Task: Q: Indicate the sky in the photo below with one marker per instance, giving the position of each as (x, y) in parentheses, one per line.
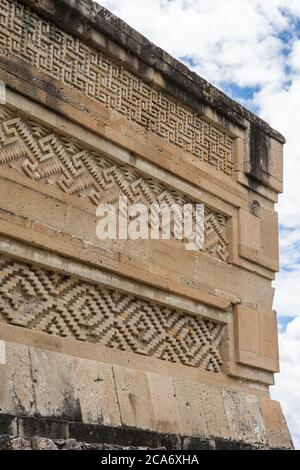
(251, 50)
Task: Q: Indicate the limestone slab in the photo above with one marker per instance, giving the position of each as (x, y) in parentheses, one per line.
(134, 398)
(165, 405)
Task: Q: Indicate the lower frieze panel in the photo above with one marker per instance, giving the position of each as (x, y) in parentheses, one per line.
(64, 305)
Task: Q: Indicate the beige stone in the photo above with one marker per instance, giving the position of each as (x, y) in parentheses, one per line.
(256, 338)
(55, 385)
(17, 396)
(165, 407)
(244, 417)
(134, 398)
(214, 408)
(277, 431)
(249, 226)
(201, 409)
(137, 334)
(95, 388)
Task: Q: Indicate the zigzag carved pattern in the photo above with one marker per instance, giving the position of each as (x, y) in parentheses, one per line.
(61, 56)
(62, 305)
(45, 156)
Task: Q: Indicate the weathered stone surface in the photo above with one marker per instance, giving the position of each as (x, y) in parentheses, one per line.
(41, 443)
(72, 444)
(134, 398)
(96, 392)
(244, 417)
(214, 408)
(16, 385)
(18, 443)
(190, 404)
(165, 407)
(55, 385)
(4, 442)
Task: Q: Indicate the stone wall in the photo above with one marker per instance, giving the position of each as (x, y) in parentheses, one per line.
(146, 343)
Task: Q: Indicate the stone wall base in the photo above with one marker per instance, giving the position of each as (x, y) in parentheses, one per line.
(49, 434)
(57, 396)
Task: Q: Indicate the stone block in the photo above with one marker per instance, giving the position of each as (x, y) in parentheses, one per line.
(268, 337)
(146, 352)
(247, 329)
(256, 338)
(55, 387)
(165, 404)
(192, 413)
(201, 409)
(134, 398)
(41, 443)
(95, 388)
(17, 395)
(277, 430)
(2, 353)
(214, 411)
(249, 232)
(244, 417)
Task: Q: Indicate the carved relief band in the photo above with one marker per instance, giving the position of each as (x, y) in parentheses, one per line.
(51, 158)
(67, 59)
(63, 305)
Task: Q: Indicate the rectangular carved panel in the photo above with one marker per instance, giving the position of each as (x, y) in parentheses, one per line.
(67, 59)
(63, 305)
(44, 155)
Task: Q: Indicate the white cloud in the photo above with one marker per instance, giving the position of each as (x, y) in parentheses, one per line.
(247, 43)
(287, 388)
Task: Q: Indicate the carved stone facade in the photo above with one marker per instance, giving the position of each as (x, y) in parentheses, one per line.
(136, 341)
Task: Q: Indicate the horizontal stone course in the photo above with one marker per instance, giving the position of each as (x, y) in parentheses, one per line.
(128, 407)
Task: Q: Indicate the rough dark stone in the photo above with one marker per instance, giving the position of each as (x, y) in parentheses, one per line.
(46, 434)
(123, 436)
(72, 444)
(19, 443)
(86, 446)
(35, 426)
(8, 425)
(196, 443)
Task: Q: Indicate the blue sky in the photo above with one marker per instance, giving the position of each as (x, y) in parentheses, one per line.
(250, 49)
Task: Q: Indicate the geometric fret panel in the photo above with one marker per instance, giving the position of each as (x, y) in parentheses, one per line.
(59, 304)
(51, 50)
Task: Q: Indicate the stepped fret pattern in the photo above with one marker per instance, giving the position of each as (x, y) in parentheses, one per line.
(40, 43)
(45, 156)
(62, 305)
